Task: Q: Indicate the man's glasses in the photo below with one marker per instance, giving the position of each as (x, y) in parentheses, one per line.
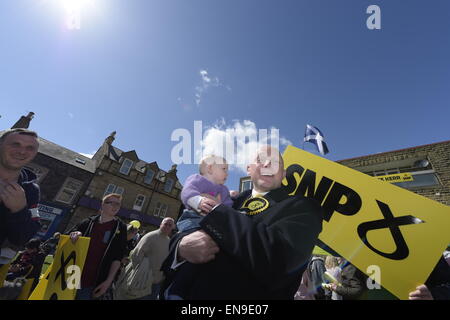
(113, 203)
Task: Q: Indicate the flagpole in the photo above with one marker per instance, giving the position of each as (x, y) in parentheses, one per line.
(303, 145)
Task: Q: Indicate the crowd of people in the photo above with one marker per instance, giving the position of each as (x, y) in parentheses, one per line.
(331, 278)
(254, 245)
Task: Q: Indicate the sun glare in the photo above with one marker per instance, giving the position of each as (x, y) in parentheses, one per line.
(75, 4)
(73, 10)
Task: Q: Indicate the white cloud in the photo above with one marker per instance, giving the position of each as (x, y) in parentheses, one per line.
(237, 142)
(207, 82)
(285, 142)
(88, 155)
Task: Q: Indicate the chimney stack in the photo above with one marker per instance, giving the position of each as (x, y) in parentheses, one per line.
(24, 122)
(111, 138)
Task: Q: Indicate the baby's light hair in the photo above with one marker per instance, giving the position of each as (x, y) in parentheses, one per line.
(208, 160)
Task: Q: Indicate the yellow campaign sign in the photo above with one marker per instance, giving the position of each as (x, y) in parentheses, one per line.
(39, 292)
(372, 223)
(3, 272)
(62, 277)
(398, 177)
(25, 293)
(319, 251)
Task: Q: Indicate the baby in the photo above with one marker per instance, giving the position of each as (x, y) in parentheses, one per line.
(199, 188)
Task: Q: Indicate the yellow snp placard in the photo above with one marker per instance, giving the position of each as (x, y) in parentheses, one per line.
(3, 272)
(63, 276)
(398, 177)
(370, 222)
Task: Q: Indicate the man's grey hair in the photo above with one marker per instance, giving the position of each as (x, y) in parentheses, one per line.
(19, 131)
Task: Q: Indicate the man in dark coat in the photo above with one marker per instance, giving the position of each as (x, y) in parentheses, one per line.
(106, 248)
(19, 194)
(256, 250)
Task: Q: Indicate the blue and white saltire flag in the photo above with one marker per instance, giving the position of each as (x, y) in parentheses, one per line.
(314, 135)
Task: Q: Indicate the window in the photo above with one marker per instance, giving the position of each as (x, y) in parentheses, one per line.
(69, 190)
(246, 185)
(139, 203)
(385, 172)
(126, 166)
(149, 176)
(80, 161)
(420, 179)
(160, 210)
(112, 188)
(168, 185)
(119, 190)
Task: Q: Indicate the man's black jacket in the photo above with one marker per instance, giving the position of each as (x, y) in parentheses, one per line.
(116, 244)
(19, 227)
(262, 256)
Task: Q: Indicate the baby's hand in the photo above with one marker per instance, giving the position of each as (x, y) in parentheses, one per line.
(207, 203)
(217, 199)
(234, 193)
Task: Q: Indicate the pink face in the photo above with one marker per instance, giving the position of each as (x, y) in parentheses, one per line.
(218, 173)
(17, 150)
(167, 226)
(111, 206)
(267, 170)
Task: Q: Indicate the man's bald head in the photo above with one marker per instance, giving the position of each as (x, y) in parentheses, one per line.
(266, 169)
(167, 225)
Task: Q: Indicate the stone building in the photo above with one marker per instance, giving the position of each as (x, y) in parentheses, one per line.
(72, 185)
(429, 166)
(63, 176)
(149, 193)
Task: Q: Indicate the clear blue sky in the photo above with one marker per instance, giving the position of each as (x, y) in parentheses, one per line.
(135, 67)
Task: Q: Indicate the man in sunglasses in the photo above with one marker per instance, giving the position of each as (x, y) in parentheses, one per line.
(106, 249)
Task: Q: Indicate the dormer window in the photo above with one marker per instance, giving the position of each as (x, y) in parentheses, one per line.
(168, 185)
(126, 166)
(149, 175)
